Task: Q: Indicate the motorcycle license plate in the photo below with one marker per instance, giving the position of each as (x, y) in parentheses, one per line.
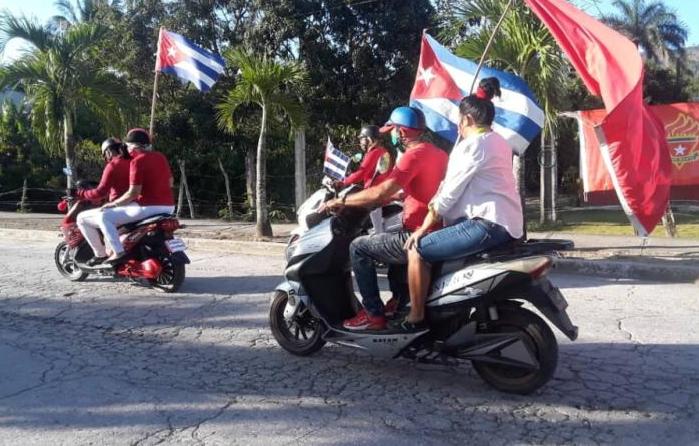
(175, 245)
(557, 298)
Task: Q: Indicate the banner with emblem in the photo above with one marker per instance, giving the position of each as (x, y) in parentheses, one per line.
(681, 123)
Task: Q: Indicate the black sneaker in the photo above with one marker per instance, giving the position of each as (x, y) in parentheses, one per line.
(404, 325)
(95, 261)
(116, 260)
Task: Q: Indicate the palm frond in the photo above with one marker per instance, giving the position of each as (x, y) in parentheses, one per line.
(21, 27)
(225, 110)
(66, 7)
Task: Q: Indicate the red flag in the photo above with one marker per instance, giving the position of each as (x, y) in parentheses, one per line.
(632, 139)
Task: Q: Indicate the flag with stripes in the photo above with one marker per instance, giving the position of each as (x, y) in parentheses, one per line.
(178, 56)
(336, 162)
(443, 79)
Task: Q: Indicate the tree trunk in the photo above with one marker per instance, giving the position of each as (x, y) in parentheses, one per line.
(547, 161)
(263, 228)
(554, 178)
(229, 201)
(518, 171)
(69, 147)
(543, 179)
(300, 166)
(250, 178)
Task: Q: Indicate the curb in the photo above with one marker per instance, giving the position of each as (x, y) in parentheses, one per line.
(628, 270)
(200, 244)
(602, 268)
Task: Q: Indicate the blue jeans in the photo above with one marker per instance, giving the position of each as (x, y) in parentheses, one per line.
(462, 239)
(385, 248)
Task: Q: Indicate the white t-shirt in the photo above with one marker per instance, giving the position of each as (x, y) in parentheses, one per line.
(479, 183)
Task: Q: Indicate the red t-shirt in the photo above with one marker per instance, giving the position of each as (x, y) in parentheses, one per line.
(419, 172)
(152, 172)
(366, 171)
(113, 184)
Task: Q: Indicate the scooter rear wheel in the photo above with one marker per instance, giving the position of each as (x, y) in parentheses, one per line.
(300, 336)
(540, 340)
(170, 278)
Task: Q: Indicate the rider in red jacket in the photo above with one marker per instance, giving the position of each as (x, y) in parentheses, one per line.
(115, 176)
(113, 184)
(374, 155)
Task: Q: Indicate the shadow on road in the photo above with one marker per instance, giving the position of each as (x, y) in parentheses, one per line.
(109, 375)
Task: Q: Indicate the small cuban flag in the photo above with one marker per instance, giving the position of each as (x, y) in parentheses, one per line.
(336, 162)
(178, 56)
(443, 79)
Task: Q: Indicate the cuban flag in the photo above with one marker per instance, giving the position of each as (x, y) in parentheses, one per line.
(184, 59)
(336, 162)
(443, 79)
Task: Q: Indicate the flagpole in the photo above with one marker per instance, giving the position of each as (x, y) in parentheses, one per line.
(155, 88)
(490, 42)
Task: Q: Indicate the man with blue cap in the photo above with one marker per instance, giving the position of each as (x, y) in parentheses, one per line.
(418, 173)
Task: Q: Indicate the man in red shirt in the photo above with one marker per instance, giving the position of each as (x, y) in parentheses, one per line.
(114, 182)
(149, 193)
(418, 173)
(374, 156)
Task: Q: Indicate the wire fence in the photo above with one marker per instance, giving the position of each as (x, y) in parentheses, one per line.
(214, 203)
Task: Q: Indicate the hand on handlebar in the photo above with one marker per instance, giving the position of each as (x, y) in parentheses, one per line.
(332, 206)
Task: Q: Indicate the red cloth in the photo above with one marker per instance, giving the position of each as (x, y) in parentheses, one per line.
(611, 67)
(365, 173)
(419, 172)
(113, 184)
(151, 171)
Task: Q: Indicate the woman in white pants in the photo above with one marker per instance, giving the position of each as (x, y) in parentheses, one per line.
(149, 193)
(113, 184)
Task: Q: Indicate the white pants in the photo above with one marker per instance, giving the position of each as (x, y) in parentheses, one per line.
(107, 220)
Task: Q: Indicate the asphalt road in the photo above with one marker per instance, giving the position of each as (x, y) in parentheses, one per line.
(100, 362)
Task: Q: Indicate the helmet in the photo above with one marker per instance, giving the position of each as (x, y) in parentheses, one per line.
(138, 136)
(111, 144)
(369, 131)
(405, 117)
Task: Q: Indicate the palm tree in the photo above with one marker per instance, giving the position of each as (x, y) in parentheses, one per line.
(271, 85)
(523, 46)
(60, 75)
(655, 28)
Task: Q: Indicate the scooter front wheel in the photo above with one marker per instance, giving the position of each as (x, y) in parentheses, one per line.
(66, 264)
(301, 335)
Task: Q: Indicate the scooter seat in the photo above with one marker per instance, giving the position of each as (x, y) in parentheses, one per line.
(145, 221)
(507, 251)
(449, 266)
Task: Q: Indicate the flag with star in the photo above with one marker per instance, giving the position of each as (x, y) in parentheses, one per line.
(192, 63)
(443, 79)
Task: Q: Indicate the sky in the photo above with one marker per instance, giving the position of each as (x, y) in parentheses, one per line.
(687, 10)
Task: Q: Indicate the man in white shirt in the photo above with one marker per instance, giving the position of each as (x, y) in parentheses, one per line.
(477, 202)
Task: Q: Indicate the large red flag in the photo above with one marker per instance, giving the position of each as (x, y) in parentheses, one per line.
(632, 139)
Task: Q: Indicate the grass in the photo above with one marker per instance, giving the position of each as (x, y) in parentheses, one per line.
(609, 222)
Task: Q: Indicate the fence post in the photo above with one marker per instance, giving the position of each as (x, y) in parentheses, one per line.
(23, 201)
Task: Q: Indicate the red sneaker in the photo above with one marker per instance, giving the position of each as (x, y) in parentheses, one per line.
(365, 321)
(390, 307)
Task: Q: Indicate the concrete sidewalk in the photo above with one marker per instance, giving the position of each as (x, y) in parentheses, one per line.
(662, 259)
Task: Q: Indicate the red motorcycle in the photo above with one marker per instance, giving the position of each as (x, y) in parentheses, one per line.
(154, 255)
